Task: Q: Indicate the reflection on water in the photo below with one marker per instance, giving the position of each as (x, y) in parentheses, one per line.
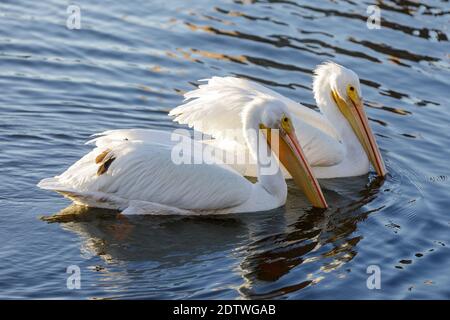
(270, 244)
(131, 63)
(168, 240)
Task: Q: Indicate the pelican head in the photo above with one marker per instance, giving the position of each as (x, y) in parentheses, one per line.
(335, 84)
(275, 123)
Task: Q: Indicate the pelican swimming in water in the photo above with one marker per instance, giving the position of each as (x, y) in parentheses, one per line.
(338, 141)
(134, 171)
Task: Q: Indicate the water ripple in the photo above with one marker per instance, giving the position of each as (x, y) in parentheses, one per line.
(131, 63)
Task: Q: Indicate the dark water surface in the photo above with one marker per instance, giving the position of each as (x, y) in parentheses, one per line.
(130, 64)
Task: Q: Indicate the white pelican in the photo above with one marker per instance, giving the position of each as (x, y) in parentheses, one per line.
(338, 141)
(133, 171)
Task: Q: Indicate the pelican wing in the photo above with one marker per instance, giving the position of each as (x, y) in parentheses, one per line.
(137, 165)
(215, 107)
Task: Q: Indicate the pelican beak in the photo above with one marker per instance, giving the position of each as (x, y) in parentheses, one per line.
(353, 111)
(291, 155)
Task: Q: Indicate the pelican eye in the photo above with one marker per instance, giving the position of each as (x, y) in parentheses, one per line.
(352, 93)
(286, 124)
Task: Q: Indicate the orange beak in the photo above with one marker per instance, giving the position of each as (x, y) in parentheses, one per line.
(353, 111)
(291, 155)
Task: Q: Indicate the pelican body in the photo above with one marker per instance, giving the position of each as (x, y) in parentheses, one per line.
(337, 141)
(133, 171)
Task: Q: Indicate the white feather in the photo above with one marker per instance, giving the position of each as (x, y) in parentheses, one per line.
(144, 179)
(216, 107)
(329, 142)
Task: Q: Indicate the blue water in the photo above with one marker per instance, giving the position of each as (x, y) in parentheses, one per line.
(130, 63)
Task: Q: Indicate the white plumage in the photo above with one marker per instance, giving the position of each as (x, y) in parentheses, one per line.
(143, 178)
(329, 142)
(134, 171)
(215, 109)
